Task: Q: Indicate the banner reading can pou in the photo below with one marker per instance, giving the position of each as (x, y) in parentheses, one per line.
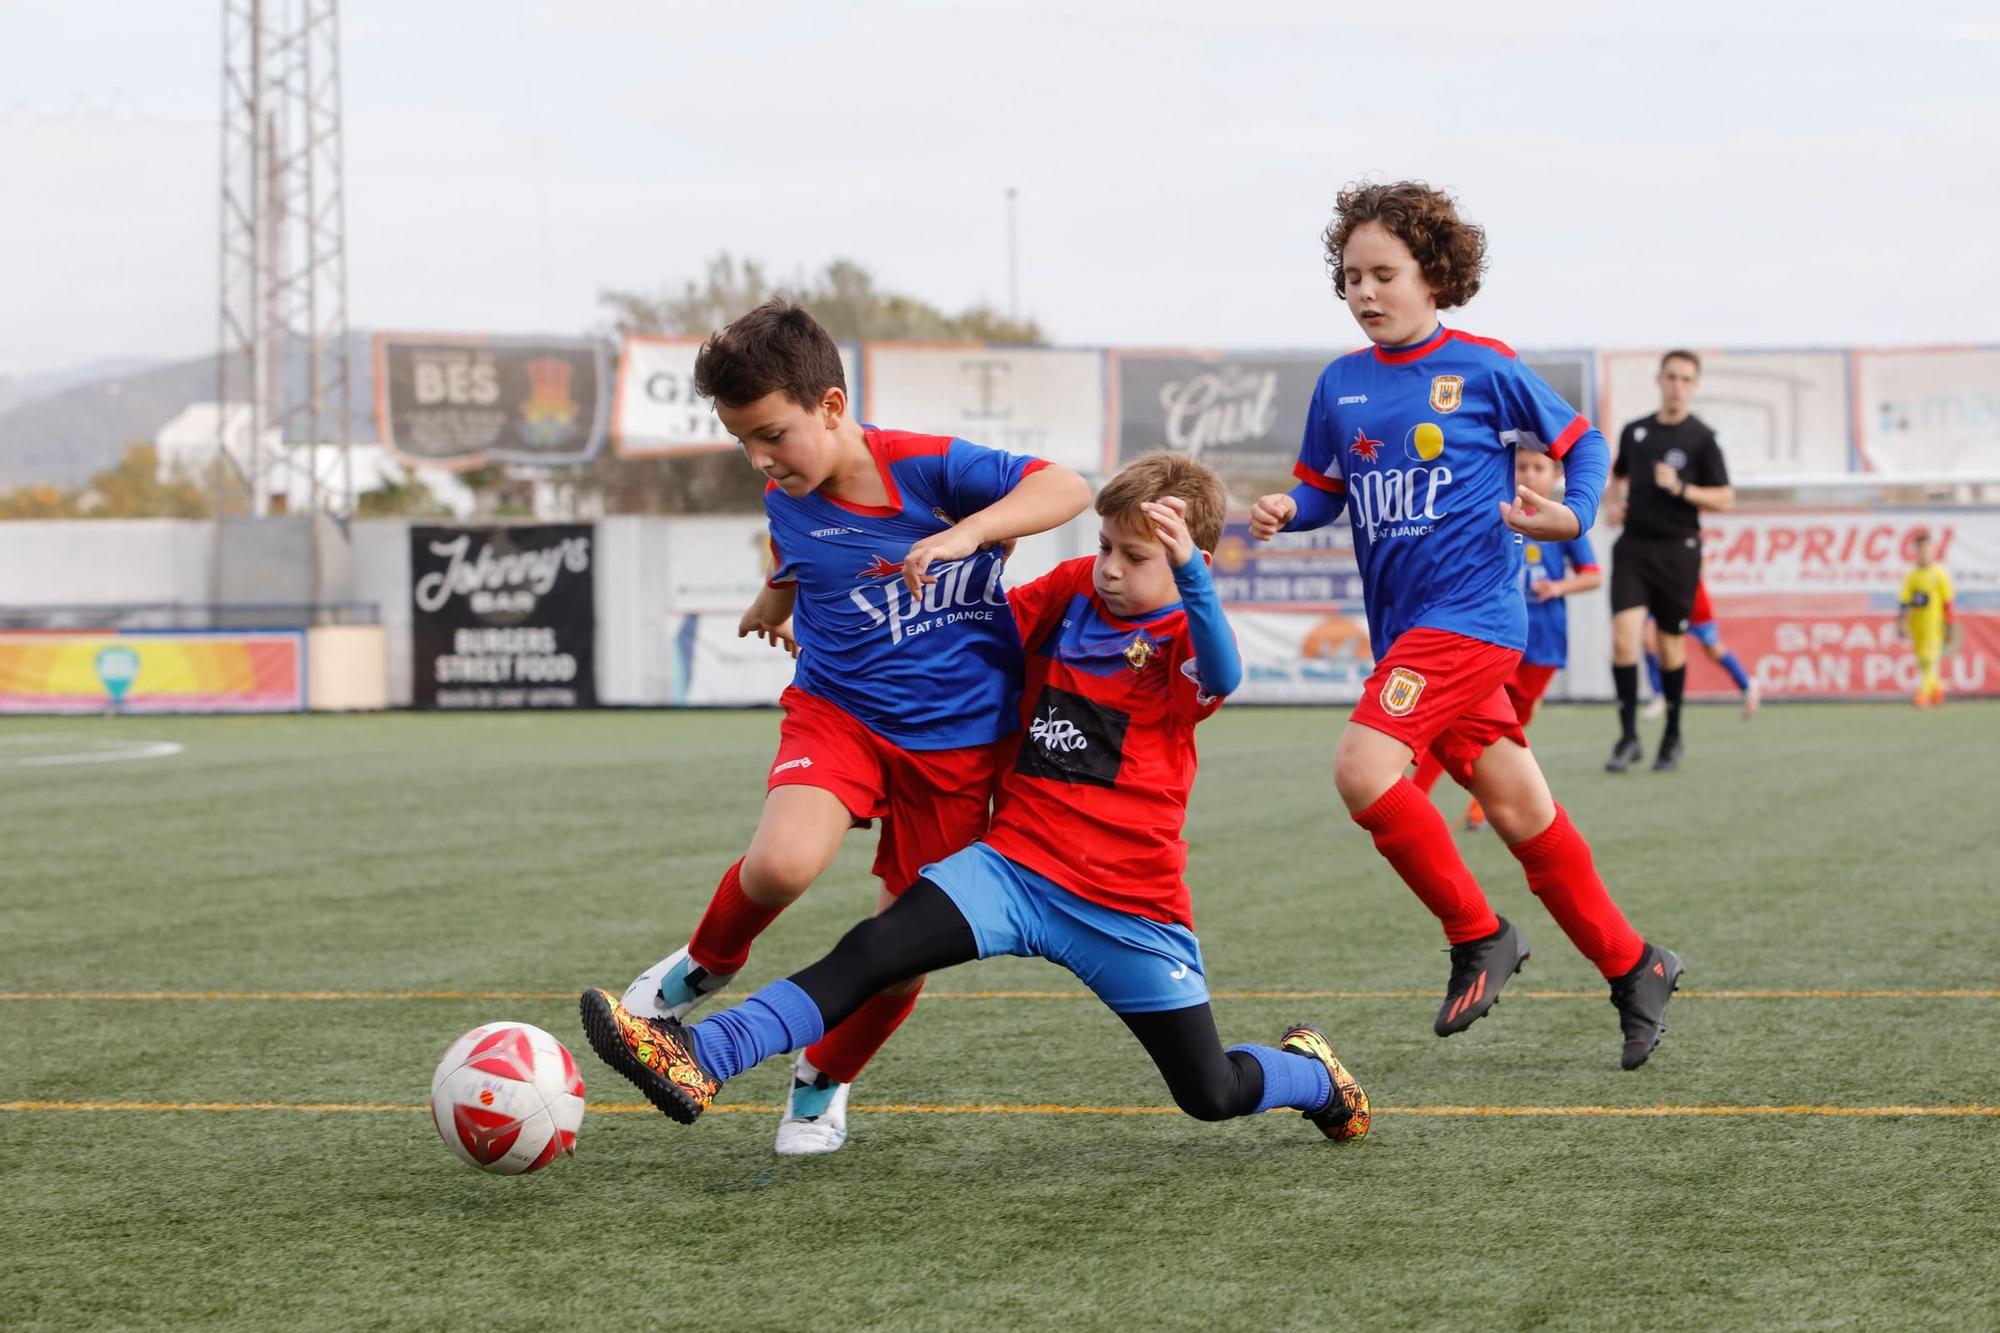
(464, 401)
(503, 617)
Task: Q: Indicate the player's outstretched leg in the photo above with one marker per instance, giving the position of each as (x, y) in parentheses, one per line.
(1210, 1083)
(1345, 1116)
(1641, 996)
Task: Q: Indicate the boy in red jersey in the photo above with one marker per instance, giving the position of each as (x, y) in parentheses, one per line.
(889, 562)
(1417, 434)
(1083, 865)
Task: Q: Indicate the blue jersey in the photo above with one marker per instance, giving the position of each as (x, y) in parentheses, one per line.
(1548, 622)
(929, 671)
(1419, 443)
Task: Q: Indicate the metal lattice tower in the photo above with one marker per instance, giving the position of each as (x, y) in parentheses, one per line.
(283, 275)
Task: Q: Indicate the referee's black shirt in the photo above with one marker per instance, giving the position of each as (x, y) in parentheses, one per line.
(1690, 447)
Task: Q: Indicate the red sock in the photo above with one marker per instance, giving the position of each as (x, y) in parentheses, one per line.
(1563, 876)
(1411, 833)
(842, 1053)
(721, 942)
(1429, 770)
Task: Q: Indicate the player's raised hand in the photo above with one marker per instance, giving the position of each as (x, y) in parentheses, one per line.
(954, 543)
(1168, 515)
(1539, 517)
(1270, 514)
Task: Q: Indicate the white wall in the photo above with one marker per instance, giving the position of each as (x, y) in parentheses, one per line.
(59, 562)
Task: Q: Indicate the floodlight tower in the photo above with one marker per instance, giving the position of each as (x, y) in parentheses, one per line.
(282, 304)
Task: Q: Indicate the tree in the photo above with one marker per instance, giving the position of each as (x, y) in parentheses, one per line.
(843, 296)
(129, 488)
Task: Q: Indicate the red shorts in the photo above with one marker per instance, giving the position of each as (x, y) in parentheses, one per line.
(931, 802)
(1525, 690)
(1442, 692)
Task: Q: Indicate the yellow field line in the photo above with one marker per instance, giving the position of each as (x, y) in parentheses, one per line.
(328, 996)
(1042, 1108)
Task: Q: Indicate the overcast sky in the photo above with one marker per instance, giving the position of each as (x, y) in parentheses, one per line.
(1721, 174)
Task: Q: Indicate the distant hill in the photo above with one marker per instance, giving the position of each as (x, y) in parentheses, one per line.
(61, 438)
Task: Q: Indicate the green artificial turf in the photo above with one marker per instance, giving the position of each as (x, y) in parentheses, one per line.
(1835, 848)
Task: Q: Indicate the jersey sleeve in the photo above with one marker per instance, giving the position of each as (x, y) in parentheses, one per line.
(1038, 604)
(975, 476)
(1319, 449)
(1532, 415)
(1582, 556)
(782, 574)
(1709, 468)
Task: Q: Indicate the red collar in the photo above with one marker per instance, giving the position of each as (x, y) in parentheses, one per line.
(1423, 349)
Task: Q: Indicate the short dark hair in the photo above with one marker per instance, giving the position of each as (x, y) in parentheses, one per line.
(1682, 354)
(1450, 251)
(776, 348)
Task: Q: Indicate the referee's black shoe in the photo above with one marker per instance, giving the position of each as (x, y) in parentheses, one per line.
(1626, 753)
(1479, 968)
(1640, 997)
(1669, 757)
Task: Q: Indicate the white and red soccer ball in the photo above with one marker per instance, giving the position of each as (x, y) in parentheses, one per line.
(507, 1098)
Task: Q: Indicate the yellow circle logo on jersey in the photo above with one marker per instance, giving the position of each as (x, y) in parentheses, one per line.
(1429, 440)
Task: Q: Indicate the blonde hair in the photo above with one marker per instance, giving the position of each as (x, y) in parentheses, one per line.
(1162, 473)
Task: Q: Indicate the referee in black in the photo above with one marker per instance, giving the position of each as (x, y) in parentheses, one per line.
(1669, 469)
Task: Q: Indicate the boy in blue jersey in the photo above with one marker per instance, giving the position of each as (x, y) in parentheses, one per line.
(887, 583)
(1416, 435)
(1127, 654)
(1550, 572)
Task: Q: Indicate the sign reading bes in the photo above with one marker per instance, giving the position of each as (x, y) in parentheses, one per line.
(503, 617)
(463, 401)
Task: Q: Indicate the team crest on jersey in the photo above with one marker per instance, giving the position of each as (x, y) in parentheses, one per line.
(1401, 692)
(1364, 448)
(1138, 653)
(878, 568)
(1447, 392)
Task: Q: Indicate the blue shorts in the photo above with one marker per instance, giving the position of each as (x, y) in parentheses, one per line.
(1134, 965)
(1705, 632)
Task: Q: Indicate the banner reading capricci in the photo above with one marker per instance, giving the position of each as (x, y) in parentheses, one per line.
(464, 401)
(1776, 413)
(1845, 551)
(660, 415)
(1044, 402)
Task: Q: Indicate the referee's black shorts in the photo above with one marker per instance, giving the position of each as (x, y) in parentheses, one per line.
(1658, 573)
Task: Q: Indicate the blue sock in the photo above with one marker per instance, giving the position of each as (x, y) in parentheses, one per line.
(1736, 672)
(778, 1018)
(1653, 672)
(1290, 1080)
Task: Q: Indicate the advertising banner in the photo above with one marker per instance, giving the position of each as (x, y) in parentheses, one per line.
(466, 401)
(1798, 551)
(153, 672)
(1314, 569)
(1241, 415)
(503, 617)
(1835, 655)
(1775, 413)
(659, 414)
(715, 563)
(1929, 411)
(1297, 657)
(1043, 402)
(708, 665)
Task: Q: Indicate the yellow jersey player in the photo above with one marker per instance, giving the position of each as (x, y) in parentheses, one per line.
(1923, 616)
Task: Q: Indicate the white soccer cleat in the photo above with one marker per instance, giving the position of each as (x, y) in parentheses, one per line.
(1753, 699)
(815, 1114)
(1654, 708)
(672, 987)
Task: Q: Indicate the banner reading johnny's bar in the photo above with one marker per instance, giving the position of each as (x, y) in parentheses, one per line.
(464, 401)
(503, 617)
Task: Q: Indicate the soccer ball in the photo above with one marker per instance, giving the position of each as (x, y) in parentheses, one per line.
(507, 1098)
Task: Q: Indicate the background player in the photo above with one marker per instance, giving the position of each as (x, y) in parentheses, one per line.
(1669, 469)
(1550, 571)
(1127, 653)
(1704, 630)
(908, 668)
(1923, 616)
(1416, 435)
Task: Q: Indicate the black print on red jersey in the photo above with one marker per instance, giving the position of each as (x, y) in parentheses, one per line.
(1073, 739)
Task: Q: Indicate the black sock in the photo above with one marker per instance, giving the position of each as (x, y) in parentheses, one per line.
(1672, 683)
(1627, 680)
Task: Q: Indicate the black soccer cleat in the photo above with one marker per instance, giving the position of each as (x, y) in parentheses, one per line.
(1626, 753)
(1479, 968)
(1669, 757)
(1641, 996)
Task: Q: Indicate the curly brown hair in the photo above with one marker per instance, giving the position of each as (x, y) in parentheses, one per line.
(1450, 251)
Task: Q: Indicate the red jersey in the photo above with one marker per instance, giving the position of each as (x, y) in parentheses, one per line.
(1094, 793)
